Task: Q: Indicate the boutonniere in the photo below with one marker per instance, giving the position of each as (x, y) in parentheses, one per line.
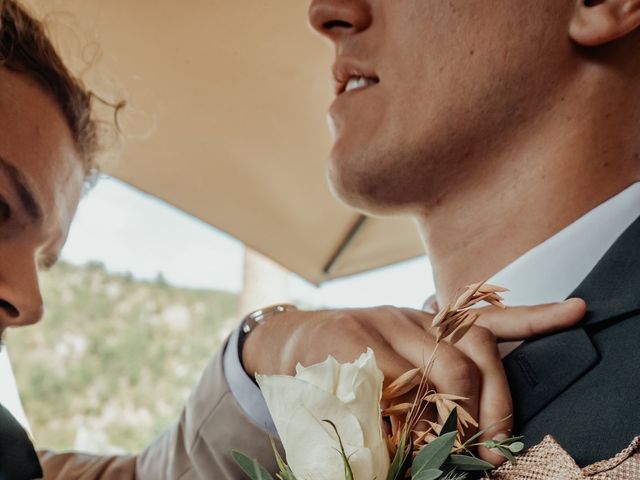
(331, 424)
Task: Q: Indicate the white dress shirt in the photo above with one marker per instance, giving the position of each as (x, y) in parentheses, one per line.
(547, 273)
(9, 396)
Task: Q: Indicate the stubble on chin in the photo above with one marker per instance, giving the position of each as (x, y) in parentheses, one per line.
(388, 181)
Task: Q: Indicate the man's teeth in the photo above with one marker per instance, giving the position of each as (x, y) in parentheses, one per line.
(358, 82)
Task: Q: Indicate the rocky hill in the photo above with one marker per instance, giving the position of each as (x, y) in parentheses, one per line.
(114, 359)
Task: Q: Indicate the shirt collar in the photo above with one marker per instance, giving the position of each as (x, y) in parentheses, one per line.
(552, 270)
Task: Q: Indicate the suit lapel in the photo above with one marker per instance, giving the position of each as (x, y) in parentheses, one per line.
(612, 289)
(18, 459)
(540, 370)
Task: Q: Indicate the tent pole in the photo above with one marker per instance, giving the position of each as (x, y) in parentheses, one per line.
(353, 231)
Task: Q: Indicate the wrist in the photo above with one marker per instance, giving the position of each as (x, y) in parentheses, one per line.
(248, 344)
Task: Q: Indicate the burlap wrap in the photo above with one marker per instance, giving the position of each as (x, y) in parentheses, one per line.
(548, 461)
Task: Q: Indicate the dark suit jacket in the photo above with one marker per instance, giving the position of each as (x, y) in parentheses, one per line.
(18, 459)
(583, 385)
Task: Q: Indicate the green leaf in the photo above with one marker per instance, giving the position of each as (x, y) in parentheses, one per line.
(516, 447)
(402, 459)
(430, 474)
(434, 454)
(285, 472)
(251, 467)
(490, 444)
(406, 463)
(451, 424)
(454, 475)
(484, 430)
(510, 440)
(348, 473)
(467, 463)
(506, 453)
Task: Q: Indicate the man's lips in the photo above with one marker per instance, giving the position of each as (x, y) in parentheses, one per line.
(349, 76)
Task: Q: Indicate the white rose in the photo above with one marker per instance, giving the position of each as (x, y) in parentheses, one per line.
(348, 395)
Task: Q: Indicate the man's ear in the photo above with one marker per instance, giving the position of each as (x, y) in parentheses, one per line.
(596, 22)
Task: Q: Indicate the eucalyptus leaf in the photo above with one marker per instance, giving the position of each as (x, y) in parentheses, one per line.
(479, 433)
(285, 472)
(451, 424)
(394, 468)
(406, 464)
(251, 467)
(506, 453)
(490, 444)
(510, 440)
(430, 474)
(434, 454)
(454, 475)
(516, 447)
(348, 473)
(467, 463)
(400, 459)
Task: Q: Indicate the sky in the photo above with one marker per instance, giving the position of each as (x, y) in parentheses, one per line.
(129, 231)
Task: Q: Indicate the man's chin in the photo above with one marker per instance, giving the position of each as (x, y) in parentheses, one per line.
(366, 193)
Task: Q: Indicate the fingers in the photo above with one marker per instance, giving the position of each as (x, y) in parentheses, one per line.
(422, 424)
(346, 337)
(480, 345)
(391, 363)
(452, 371)
(521, 323)
(495, 397)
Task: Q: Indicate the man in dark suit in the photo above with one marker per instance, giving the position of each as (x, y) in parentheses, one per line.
(48, 143)
(509, 131)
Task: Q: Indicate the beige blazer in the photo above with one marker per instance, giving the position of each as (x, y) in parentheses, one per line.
(197, 447)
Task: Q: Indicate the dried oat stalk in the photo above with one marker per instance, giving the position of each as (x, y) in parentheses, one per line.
(450, 324)
(455, 320)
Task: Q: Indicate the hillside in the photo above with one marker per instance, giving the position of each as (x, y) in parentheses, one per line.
(114, 359)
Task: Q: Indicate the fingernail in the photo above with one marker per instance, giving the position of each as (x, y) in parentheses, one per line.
(568, 301)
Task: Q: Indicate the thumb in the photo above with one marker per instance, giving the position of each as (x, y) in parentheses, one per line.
(522, 323)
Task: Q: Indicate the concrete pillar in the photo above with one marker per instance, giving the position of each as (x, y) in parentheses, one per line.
(264, 283)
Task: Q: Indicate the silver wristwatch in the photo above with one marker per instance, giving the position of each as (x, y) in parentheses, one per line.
(260, 316)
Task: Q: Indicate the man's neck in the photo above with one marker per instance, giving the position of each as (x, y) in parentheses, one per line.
(543, 187)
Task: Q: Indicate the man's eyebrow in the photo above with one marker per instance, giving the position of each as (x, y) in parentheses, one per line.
(20, 184)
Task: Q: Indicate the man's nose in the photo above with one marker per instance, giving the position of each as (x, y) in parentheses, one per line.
(20, 298)
(336, 19)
